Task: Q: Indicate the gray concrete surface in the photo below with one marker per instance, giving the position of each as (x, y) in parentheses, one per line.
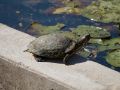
(20, 71)
(1, 87)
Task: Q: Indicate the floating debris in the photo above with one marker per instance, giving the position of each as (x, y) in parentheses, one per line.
(20, 24)
(18, 12)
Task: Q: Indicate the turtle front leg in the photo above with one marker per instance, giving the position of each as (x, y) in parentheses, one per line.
(65, 59)
(38, 58)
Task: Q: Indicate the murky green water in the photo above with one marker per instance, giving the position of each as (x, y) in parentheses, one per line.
(20, 14)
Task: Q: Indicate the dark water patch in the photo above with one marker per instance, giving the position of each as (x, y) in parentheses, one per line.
(101, 60)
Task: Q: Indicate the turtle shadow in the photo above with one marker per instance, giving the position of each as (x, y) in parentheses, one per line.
(74, 59)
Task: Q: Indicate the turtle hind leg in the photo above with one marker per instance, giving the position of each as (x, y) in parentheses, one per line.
(65, 59)
(38, 58)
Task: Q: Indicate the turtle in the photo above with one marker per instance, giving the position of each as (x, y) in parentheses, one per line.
(55, 46)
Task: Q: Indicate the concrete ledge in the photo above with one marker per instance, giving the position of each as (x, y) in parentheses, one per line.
(19, 70)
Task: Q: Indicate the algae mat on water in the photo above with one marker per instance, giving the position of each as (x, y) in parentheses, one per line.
(38, 29)
(95, 32)
(104, 11)
(113, 58)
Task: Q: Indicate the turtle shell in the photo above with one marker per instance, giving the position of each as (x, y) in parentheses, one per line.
(51, 46)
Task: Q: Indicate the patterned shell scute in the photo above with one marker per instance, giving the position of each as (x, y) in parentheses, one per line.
(52, 45)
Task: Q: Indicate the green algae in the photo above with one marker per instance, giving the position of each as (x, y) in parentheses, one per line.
(103, 11)
(95, 32)
(114, 41)
(102, 48)
(113, 58)
(70, 7)
(109, 44)
(71, 3)
(67, 10)
(70, 35)
(98, 41)
(39, 29)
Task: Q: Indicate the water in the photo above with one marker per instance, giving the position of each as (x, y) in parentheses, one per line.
(32, 11)
(19, 14)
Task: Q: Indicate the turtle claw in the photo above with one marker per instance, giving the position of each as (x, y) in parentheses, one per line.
(38, 58)
(65, 59)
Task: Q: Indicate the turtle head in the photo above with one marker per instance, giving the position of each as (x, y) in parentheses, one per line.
(82, 41)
